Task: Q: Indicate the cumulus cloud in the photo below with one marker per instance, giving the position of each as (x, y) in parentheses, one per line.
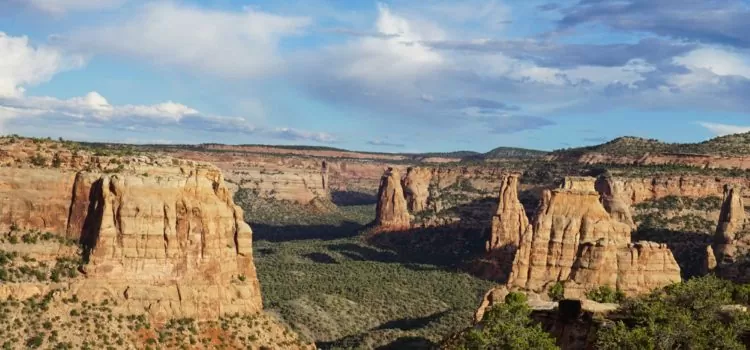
(227, 44)
(23, 65)
(724, 129)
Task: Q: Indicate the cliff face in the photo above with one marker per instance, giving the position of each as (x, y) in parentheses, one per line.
(637, 190)
(416, 186)
(573, 239)
(391, 212)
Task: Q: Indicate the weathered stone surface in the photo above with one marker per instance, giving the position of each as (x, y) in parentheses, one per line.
(573, 238)
(391, 212)
(635, 268)
(510, 221)
(416, 186)
(35, 198)
(732, 238)
(174, 243)
(611, 193)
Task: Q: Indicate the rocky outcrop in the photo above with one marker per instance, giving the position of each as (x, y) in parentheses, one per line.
(391, 212)
(510, 221)
(634, 268)
(573, 239)
(732, 238)
(416, 186)
(611, 193)
(161, 236)
(173, 243)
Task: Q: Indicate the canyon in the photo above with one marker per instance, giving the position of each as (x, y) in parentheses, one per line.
(161, 235)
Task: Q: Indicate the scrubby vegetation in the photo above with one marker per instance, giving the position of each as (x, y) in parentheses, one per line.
(57, 321)
(505, 326)
(335, 288)
(688, 315)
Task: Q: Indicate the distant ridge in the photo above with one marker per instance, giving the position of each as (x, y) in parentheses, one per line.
(630, 146)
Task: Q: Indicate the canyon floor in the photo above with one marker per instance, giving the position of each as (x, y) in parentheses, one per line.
(333, 287)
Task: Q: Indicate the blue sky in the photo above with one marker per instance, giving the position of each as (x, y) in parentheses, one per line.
(391, 76)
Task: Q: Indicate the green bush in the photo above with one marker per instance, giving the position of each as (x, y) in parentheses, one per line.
(605, 294)
(686, 315)
(557, 292)
(505, 326)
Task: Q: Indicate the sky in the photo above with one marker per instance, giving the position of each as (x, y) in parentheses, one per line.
(385, 76)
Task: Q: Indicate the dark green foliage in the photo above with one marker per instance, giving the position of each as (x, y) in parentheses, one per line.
(686, 315)
(38, 160)
(343, 292)
(606, 294)
(505, 326)
(556, 292)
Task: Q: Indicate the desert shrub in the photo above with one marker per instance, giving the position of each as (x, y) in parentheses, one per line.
(686, 315)
(605, 294)
(506, 326)
(556, 292)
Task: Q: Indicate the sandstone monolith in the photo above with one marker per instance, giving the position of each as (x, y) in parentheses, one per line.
(391, 212)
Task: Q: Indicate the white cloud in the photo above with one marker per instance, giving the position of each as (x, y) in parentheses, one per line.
(23, 65)
(717, 61)
(708, 65)
(398, 54)
(228, 44)
(59, 7)
(724, 129)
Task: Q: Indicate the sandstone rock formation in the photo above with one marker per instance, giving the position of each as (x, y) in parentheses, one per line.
(174, 243)
(416, 186)
(634, 268)
(573, 239)
(510, 221)
(611, 193)
(162, 235)
(391, 212)
(732, 241)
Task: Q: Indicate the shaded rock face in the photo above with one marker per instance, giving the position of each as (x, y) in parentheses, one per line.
(612, 199)
(167, 240)
(573, 239)
(391, 213)
(731, 240)
(416, 186)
